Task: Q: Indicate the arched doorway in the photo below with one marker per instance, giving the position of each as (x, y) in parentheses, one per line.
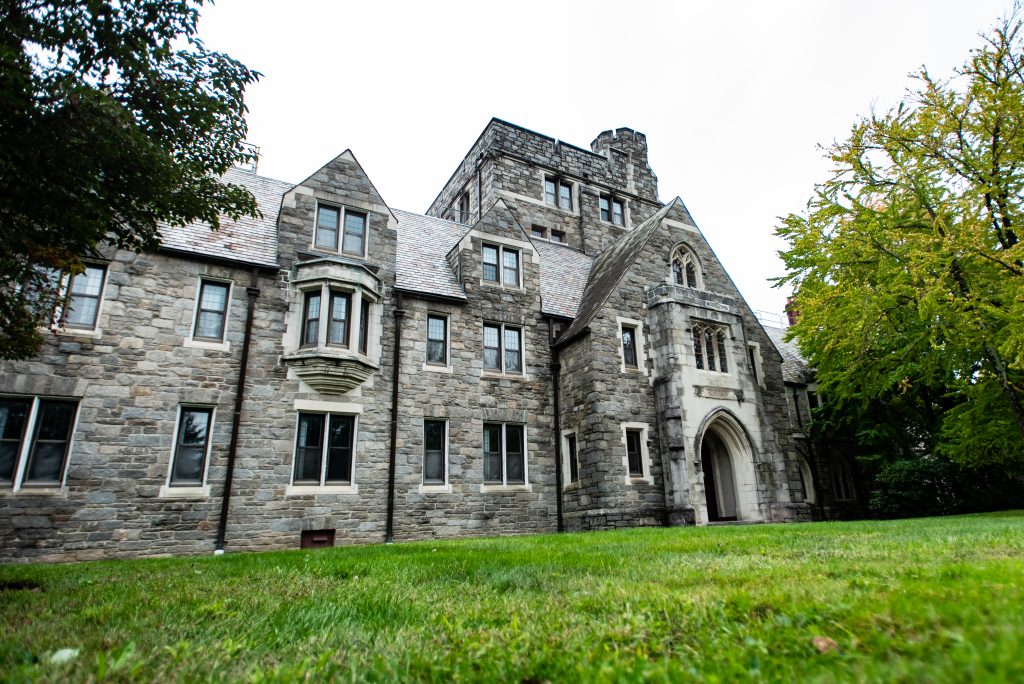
(719, 480)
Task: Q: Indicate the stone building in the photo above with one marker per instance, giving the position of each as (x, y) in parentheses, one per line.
(549, 347)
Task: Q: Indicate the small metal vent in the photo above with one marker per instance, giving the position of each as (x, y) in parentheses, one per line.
(316, 539)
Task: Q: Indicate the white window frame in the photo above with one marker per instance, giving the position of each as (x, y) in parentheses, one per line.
(567, 481)
(167, 491)
(559, 180)
(433, 366)
(25, 448)
(641, 346)
(436, 488)
(357, 296)
(645, 455)
(58, 324)
(202, 343)
(521, 373)
(327, 408)
(342, 212)
(504, 486)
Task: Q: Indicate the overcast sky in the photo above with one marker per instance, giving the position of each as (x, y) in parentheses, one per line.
(736, 98)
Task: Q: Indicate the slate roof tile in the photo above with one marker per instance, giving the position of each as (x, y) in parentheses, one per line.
(422, 259)
(794, 367)
(563, 277)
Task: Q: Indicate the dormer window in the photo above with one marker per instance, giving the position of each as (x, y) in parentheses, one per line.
(686, 269)
(353, 230)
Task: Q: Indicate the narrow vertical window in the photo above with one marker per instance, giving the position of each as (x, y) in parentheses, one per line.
(490, 259)
(493, 472)
(211, 312)
(574, 465)
(565, 196)
(327, 221)
(515, 456)
(434, 460)
(337, 332)
(634, 453)
(84, 298)
(511, 266)
(677, 271)
(550, 193)
(355, 232)
(311, 320)
(691, 275)
(629, 346)
(513, 351)
(606, 210)
(191, 446)
(698, 346)
(492, 347)
(723, 364)
(339, 450)
(618, 215)
(437, 339)
(464, 208)
(13, 419)
(364, 326)
(48, 456)
(309, 448)
(709, 348)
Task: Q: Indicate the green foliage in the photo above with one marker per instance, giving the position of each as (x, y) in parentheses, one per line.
(908, 272)
(936, 486)
(938, 600)
(113, 117)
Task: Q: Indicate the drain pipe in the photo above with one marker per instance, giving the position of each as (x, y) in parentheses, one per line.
(556, 369)
(389, 535)
(252, 292)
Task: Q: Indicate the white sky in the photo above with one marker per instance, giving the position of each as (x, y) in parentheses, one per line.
(735, 97)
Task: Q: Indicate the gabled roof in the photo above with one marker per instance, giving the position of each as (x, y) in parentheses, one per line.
(794, 367)
(421, 264)
(249, 240)
(609, 267)
(563, 277)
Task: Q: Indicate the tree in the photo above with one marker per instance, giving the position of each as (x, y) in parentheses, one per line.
(114, 117)
(908, 271)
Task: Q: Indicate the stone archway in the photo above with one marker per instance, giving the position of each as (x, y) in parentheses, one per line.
(730, 481)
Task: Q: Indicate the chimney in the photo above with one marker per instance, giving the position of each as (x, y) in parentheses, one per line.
(792, 313)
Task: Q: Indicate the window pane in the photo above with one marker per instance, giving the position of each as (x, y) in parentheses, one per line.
(327, 227)
(514, 461)
(511, 261)
(190, 454)
(492, 453)
(574, 465)
(722, 363)
(709, 348)
(629, 347)
(13, 415)
(436, 339)
(677, 271)
(691, 275)
(557, 236)
(491, 358)
(698, 347)
(565, 196)
(214, 296)
(309, 447)
(84, 302)
(636, 467)
(338, 332)
(549, 191)
(355, 230)
(490, 256)
(49, 449)
(433, 451)
(617, 213)
(311, 327)
(339, 449)
(605, 213)
(513, 356)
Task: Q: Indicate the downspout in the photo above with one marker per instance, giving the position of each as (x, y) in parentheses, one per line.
(556, 369)
(479, 189)
(389, 535)
(252, 292)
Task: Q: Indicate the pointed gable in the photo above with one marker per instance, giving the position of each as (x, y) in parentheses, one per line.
(610, 266)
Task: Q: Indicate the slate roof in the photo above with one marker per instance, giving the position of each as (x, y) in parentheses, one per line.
(422, 259)
(563, 277)
(794, 368)
(248, 240)
(608, 269)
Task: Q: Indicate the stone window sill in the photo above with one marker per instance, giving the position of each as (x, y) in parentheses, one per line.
(496, 375)
(493, 488)
(169, 492)
(29, 490)
(207, 344)
(436, 368)
(435, 489)
(633, 480)
(316, 490)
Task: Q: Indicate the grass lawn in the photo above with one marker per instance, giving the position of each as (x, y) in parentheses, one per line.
(936, 600)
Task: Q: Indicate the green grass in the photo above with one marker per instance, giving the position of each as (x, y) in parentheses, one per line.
(938, 600)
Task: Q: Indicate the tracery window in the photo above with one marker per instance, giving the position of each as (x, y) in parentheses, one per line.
(709, 350)
(686, 269)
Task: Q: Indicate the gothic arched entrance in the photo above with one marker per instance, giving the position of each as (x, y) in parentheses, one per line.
(727, 464)
(719, 481)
